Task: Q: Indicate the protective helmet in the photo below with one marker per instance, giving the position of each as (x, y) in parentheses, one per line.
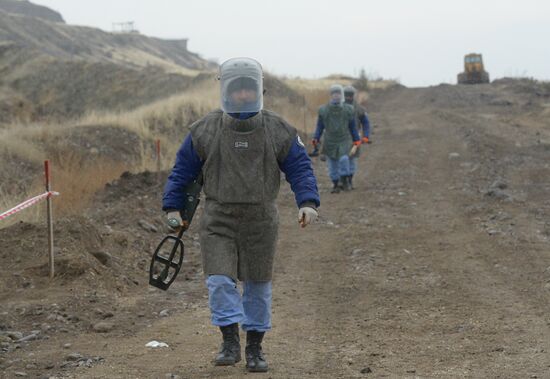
(241, 85)
(336, 94)
(349, 90)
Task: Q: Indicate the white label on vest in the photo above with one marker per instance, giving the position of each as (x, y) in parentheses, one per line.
(241, 145)
(300, 142)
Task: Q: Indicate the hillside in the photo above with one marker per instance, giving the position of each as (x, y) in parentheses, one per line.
(64, 41)
(54, 71)
(26, 8)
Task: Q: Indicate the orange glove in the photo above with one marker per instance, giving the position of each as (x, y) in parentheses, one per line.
(357, 143)
(365, 139)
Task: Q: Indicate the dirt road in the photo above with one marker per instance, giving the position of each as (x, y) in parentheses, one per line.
(437, 264)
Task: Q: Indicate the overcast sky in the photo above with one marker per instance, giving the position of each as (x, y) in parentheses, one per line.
(420, 42)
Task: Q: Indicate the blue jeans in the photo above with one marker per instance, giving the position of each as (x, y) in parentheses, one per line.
(252, 310)
(338, 167)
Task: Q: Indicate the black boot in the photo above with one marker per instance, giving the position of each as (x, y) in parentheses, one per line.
(230, 351)
(255, 360)
(345, 183)
(336, 187)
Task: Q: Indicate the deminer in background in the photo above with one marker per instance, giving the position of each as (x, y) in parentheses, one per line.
(240, 151)
(341, 139)
(361, 118)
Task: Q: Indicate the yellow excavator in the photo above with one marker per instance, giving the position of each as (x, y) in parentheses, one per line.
(474, 72)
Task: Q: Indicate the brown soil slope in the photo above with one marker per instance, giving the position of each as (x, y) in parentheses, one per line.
(437, 265)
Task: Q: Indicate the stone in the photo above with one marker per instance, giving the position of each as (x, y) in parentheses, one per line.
(164, 313)
(30, 337)
(497, 193)
(103, 327)
(14, 335)
(74, 357)
(357, 252)
(147, 226)
(500, 184)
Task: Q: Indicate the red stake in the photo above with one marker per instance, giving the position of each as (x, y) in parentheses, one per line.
(49, 219)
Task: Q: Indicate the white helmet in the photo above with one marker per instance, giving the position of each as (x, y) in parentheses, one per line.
(241, 84)
(336, 94)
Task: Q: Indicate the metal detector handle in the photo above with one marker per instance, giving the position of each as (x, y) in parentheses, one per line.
(192, 200)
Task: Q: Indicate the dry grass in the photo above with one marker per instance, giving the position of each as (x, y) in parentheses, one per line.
(382, 84)
(78, 179)
(304, 85)
(26, 140)
(143, 119)
(145, 59)
(301, 85)
(15, 142)
(33, 214)
(75, 178)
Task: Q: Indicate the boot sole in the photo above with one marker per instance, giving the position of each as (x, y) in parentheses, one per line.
(249, 369)
(226, 363)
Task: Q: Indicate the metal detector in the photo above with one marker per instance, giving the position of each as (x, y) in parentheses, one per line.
(168, 256)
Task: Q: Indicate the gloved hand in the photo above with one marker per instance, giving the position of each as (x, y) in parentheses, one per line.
(174, 221)
(306, 215)
(314, 142)
(354, 148)
(365, 139)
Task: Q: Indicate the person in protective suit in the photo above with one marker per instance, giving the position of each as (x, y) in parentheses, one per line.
(240, 151)
(341, 138)
(361, 118)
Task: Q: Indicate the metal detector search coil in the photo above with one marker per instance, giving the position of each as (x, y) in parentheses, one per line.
(168, 257)
(167, 261)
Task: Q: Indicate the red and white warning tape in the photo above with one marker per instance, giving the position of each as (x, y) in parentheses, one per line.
(27, 203)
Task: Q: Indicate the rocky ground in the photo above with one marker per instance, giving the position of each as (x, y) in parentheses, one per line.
(437, 264)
